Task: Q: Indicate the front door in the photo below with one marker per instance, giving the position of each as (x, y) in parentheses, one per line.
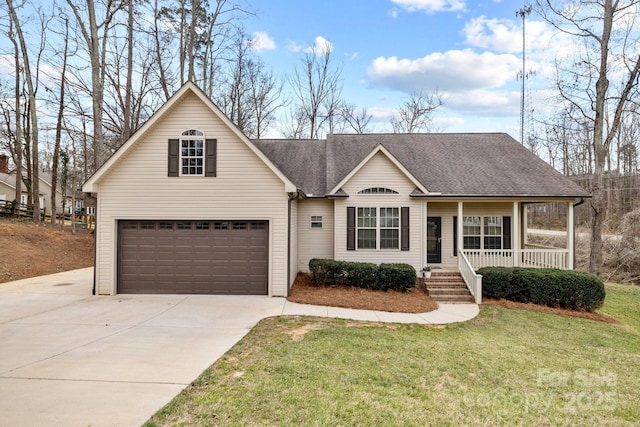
(434, 239)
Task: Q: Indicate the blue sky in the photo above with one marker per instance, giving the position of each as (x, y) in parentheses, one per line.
(470, 51)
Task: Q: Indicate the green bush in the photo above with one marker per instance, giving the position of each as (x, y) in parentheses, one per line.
(570, 289)
(360, 274)
(328, 272)
(399, 277)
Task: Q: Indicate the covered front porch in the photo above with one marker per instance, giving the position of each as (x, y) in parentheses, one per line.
(489, 233)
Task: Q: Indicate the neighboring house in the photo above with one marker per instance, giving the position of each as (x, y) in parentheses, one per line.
(8, 185)
(190, 205)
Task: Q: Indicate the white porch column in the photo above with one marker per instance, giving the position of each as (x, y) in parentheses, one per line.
(425, 232)
(525, 225)
(516, 234)
(570, 235)
(460, 243)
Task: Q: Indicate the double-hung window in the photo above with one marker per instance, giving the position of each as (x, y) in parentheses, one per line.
(471, 231)
(378, 228)
(493, 232)
(367, 228)
(389, 228)
(486, 232)
(192, 152)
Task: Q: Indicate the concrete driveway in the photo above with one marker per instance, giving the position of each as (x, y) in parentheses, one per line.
(68, 358)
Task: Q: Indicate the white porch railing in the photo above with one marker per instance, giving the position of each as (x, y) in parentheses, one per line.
(471, 278)
(528, 257)
(544, 258)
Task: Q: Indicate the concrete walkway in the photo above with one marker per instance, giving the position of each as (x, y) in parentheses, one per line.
(68, 358)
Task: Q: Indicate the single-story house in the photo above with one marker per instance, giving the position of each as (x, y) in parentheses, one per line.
(189, 204)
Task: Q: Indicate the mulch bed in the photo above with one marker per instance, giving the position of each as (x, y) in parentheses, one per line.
(413, 301)
(599, 317)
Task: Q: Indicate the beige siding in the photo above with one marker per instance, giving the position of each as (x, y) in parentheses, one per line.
(314, 242)
(450, 209)
(139, 188)
(380, 172)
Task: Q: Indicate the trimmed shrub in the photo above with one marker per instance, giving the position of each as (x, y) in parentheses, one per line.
(399, 277)
(575, 290)
(360, 274)
(328, 272)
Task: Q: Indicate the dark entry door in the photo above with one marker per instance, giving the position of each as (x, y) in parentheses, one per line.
(434, 240)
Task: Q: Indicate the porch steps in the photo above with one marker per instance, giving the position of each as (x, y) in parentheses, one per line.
(447, 287)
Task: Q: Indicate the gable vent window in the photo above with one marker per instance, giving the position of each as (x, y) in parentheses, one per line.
(192, 155)
(377, 190)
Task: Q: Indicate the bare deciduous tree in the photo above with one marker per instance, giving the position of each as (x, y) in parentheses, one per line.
(416, 112)
(32, 88)
(316, 86)
(59, 123)
(358, 121)
(604, 30)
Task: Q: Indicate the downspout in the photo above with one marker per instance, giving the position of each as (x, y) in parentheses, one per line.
(575, 205)
(95, 244)
(291, 197)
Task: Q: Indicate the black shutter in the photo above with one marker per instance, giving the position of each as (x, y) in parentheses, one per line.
(174, 157)
(506, 232)
(211, 152)
(404, 228)
(351, 228)
(455, 236)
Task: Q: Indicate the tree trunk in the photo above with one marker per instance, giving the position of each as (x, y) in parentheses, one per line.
(18, 136)
(35, 185)
(56, 149)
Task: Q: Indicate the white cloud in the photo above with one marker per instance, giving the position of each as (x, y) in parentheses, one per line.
(483, 102)
(319, 46)
(505, 35)
(452, 71)
(432, 6)
(262, 41)
(497, 34)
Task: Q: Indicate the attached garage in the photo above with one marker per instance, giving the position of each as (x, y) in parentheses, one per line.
(193, 257)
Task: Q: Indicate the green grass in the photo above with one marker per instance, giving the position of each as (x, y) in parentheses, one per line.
(506, 367)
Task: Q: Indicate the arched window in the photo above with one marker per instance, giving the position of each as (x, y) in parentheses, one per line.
(377, 190)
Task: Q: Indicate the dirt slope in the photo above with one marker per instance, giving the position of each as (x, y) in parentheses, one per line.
(28, 249)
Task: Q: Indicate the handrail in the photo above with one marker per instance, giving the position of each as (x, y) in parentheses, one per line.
(472, 279)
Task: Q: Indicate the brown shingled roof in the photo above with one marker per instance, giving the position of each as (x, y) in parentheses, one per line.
(480, 164)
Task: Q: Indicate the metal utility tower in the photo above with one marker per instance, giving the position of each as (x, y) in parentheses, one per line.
(522, 13)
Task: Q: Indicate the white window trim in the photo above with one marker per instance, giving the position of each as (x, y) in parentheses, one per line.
(316, 219)
(378, 228)
(482, 234)
(184, 137)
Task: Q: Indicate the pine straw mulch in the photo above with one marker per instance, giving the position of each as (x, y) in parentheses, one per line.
(413, 301)
(598, 317)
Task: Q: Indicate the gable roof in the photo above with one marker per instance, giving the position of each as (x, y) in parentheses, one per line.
(378, 149)
(91, 185)
(471, 165)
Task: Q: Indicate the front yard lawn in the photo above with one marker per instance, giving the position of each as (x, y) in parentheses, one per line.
(505, 367)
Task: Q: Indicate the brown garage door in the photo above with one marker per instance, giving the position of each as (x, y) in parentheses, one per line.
(193, 257)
